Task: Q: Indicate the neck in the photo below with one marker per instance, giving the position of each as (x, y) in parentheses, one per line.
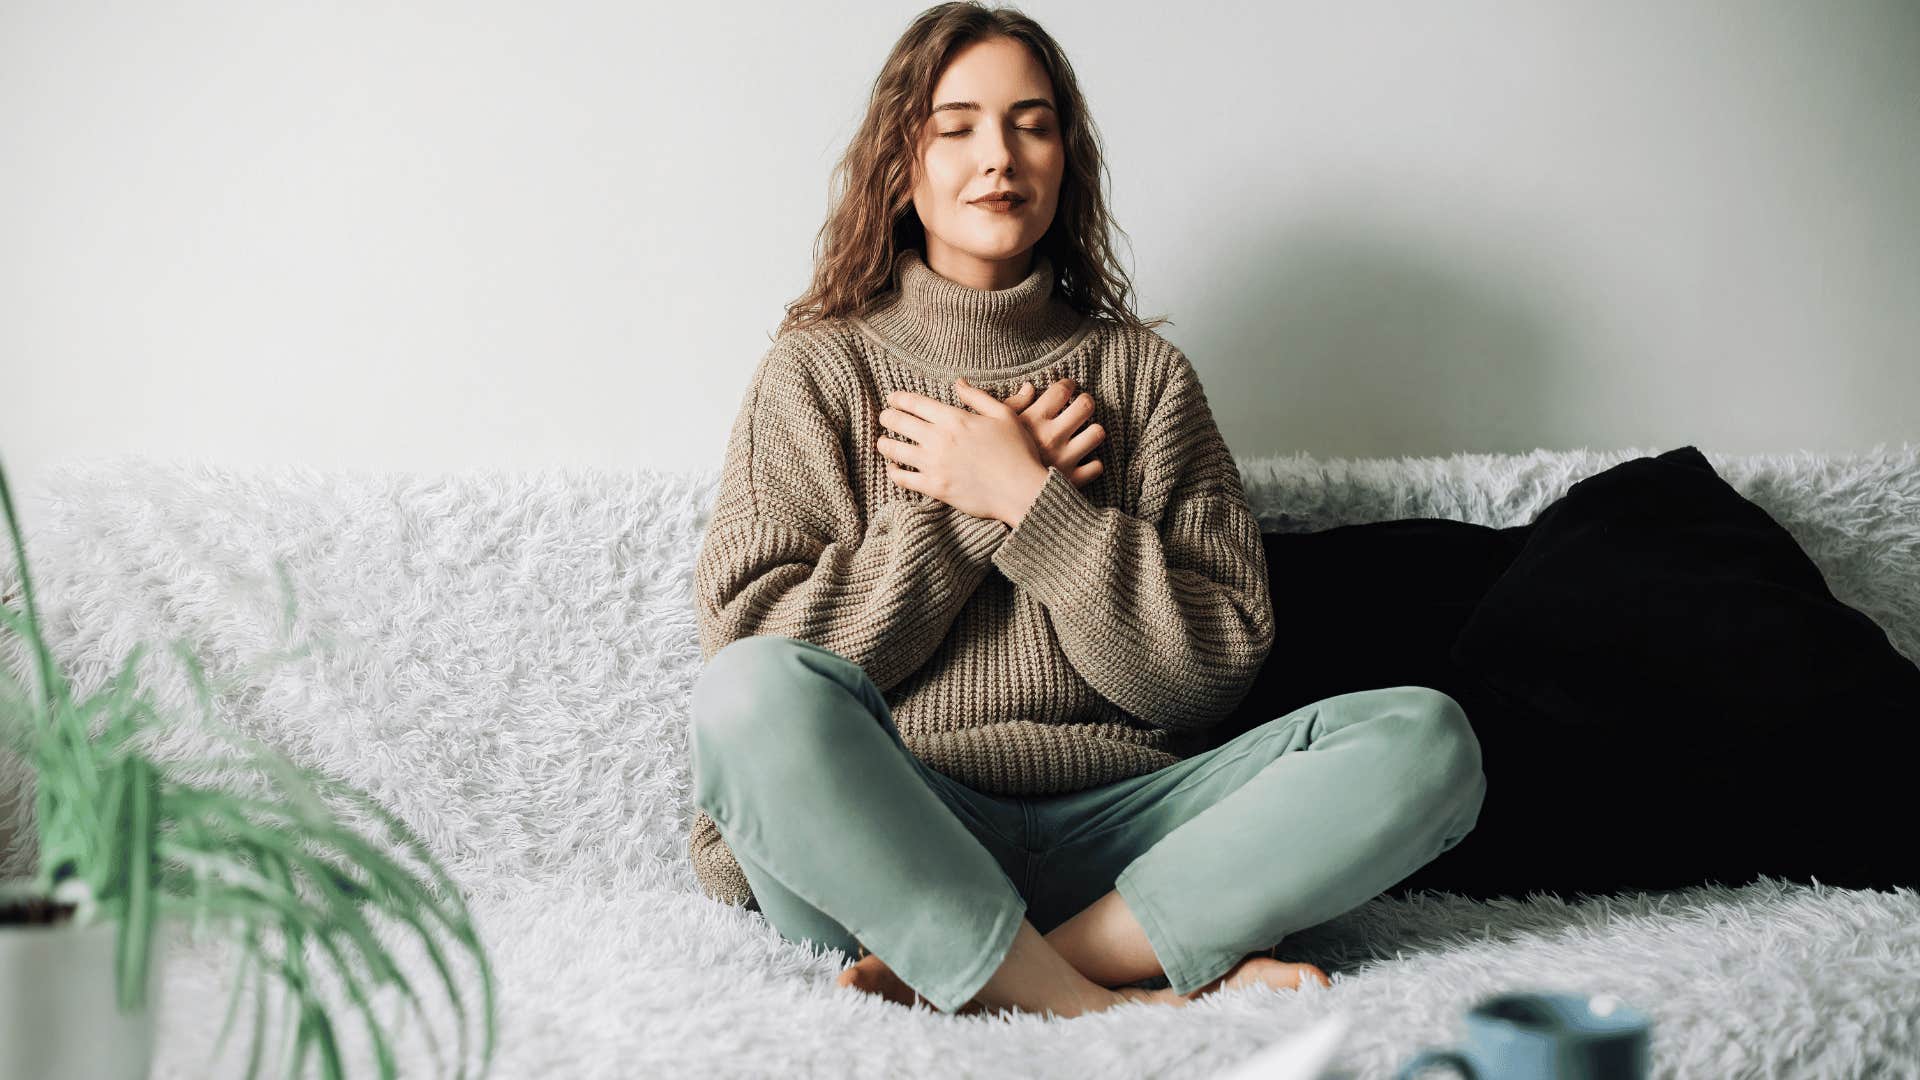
(944, 327)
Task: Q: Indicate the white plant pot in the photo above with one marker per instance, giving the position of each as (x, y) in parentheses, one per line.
(58, 1013)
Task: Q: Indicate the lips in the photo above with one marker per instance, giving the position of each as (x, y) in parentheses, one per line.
(988, 200)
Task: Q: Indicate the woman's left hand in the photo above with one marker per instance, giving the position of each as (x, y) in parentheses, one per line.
(982, 462)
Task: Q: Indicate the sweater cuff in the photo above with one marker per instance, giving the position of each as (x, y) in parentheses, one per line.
(976, 538)
(1055, 541)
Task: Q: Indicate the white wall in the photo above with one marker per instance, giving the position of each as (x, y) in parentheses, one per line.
(455, 235)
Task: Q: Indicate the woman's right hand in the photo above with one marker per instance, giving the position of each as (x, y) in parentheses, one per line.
(1052, 419)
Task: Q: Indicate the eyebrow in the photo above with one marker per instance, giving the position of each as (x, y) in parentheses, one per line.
(1023, 103)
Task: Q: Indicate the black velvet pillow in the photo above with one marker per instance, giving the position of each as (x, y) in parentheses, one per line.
(1691, 700)
(1654, 594)
(1652, 765)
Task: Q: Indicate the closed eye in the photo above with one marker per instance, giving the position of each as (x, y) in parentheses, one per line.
(963, 131)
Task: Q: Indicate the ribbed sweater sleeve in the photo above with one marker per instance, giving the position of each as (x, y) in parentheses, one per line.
(1170, 618)
(788, 551)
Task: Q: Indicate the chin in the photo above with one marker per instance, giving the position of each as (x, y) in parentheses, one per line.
(1001, 251)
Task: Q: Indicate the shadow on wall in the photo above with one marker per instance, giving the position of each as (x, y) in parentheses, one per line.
(1340, 338)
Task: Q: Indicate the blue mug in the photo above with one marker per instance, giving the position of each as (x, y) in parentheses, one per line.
(1537, 1036)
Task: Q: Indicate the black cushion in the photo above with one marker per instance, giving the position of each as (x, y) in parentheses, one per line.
(1692, 702)
(1664, 689)
(1655, 593)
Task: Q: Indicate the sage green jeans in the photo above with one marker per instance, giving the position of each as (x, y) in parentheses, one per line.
(848, 839)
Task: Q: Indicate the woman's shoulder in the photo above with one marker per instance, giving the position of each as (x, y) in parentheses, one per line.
(817, 363)
(825, 343)
(1155, 361)
(1138, 340)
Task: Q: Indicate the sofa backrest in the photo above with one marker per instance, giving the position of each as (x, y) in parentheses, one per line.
(505, 658)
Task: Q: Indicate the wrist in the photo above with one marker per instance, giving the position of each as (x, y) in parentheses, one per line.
(1030, 491)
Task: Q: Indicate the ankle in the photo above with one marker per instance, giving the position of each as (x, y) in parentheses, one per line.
(1096, 998)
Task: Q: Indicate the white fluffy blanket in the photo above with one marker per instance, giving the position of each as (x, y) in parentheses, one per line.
(509, 662)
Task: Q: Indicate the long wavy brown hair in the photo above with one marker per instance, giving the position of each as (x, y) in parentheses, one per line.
(872, 218)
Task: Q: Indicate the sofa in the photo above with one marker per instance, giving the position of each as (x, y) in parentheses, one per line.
(505, 659)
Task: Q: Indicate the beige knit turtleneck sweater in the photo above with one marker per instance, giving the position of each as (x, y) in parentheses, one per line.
(1093, 643)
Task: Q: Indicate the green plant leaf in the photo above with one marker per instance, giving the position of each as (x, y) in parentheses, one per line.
(250, 968)
(391, 890)
(53, 687)
(341, 917)
(135, 953)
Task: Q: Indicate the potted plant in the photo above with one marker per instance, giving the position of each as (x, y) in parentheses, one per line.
(130, 844)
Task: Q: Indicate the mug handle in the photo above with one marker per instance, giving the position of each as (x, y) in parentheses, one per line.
(1437, 1057)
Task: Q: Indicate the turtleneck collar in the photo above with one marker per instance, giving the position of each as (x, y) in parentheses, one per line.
(945, 328)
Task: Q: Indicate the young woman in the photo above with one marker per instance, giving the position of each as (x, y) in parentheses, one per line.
(958, 669)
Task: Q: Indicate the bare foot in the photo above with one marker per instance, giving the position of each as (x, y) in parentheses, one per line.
(1249, 972)
(871, 975)
(1278, 974)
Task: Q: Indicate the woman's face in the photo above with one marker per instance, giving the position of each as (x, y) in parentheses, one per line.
(993, 128)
